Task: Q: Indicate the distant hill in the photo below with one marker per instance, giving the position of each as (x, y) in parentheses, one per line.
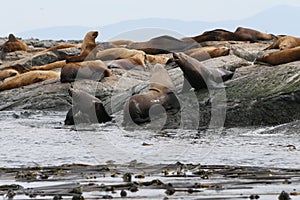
(276, 20)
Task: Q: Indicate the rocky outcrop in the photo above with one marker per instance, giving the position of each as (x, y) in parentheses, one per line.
(259, 95)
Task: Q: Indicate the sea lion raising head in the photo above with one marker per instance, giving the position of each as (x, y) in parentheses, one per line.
(200, 76)
(12, 45)
(88, 48)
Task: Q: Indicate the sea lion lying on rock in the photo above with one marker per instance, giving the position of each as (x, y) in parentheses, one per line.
(280, 57)
(164, 44)
(161, 94)
(117, 53)
(86, 109)
(28, 78)
(88, 48)
(240, 34)
(286, 42)
(205, 53)
(200, 76)
(94, 70)
(136, 62)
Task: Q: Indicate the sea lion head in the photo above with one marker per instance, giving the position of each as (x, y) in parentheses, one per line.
(11, 38)
(92, 34)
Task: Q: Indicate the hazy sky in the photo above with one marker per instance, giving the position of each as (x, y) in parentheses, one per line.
(19, 16)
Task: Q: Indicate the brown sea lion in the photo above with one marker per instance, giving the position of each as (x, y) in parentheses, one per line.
(161, 93)
(6, 73)
(157, 59)
(215, 35)
(280, 57)
(286, 42)
(28, 78)
(12, 45)
(135, 62)
(121, 43)
(247, 34)
(54, 65)
(200, 76)
(164, 44)
(94, 70)
(208, 52)
(88, 48)
(86, 109)
(117, 53)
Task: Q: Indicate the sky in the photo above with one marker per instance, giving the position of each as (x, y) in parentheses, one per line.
(18, 16)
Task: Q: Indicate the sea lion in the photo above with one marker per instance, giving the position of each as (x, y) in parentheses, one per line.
(160, 59)
(6, 73)
(161, 93)
(247, 34)
(164, 44)
(286, 42)
(240, 34)
(200, 76)
(50, 66)
(94, 70)
(136, 62)
(88, 48)
(117, 53)
(280, 57)
(215, 35)
(28, 78)
(86, 109)
(121, 43)
(61, 46)
(12, 45)
(205, 53)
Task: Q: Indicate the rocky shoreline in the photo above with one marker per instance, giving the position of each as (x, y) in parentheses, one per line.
(258, 95)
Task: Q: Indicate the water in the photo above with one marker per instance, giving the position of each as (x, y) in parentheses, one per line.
(31, 138)
(38, 138)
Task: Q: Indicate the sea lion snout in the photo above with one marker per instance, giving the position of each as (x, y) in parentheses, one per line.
(95, 34)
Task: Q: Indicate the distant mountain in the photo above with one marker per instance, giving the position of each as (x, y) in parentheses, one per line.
(276, 20)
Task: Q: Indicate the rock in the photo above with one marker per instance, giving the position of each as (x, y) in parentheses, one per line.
(230, 62)
(36, 59)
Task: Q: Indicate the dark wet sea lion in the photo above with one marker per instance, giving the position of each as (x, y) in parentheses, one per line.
(247, 34)
(208, 52)
(94, 70)
(200, 76)
(280, 57)
(215, 35)
(240, 34)
(161, 93)
(88, 48)
(164, 44)
(86, 109)
(28, 78)
(286, 42)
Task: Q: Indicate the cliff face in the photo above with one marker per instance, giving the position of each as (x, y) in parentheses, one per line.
(258, 94)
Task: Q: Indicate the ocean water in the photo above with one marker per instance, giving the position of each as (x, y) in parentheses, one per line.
(39, 138)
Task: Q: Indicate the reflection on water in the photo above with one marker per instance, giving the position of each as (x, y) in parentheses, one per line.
(30, 138)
